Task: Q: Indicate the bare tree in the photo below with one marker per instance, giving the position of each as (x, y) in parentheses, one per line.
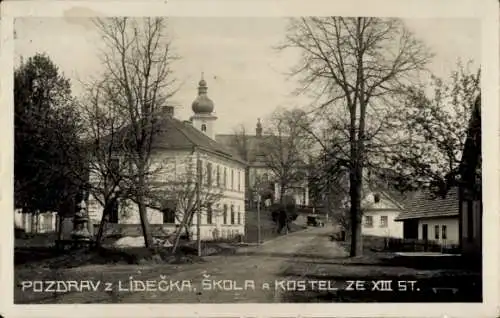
(178, 192)
(137, 66)
(285, 147)
(108, 161)
(353, 67)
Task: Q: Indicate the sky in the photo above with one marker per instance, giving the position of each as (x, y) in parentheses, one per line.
(245, 74)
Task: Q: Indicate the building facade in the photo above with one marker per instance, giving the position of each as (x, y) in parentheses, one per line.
(261, 179)
(45, 222)
(432, 218)
(379, 216)
(184, 154)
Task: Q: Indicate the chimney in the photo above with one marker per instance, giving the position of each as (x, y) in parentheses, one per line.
(168, 110)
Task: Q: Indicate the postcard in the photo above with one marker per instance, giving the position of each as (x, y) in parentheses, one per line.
(250, 158)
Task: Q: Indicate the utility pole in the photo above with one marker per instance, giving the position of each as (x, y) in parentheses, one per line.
(258, 218)
(198, 201)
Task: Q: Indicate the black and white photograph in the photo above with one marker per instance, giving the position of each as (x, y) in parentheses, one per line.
(320, 159)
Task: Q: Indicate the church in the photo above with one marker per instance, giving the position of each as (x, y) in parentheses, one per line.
(260, 178)
(181, 148)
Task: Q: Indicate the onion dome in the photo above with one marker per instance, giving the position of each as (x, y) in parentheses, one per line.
(202, 104)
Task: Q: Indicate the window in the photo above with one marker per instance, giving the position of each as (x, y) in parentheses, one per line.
(203, 127)
(168, 215)
(376, 197)
(232, 214)
(232, 179)
(225, 178)
(436, 232)
(113, 212)
(209, 173)
(224, 215)
(168, 211)
(209, 214)
(443, 232)
(239, 215)
(383, 221)
(239, 181)
(425, 231)
(368, 221)
(218, 175)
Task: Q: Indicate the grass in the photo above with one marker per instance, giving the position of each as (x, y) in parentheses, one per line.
(37, 250)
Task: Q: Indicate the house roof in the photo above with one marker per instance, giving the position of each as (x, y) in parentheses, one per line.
(424, 205)
(387, 202)
(174, 134)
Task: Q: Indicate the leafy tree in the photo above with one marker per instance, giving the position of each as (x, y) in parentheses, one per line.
(433, 131)
(353, 68)
(45, 120)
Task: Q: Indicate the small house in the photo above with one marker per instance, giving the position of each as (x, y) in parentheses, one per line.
(431, 217)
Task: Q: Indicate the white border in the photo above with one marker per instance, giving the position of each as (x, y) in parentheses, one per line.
(487, 10)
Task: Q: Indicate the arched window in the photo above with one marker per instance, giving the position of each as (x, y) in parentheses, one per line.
(203, 127)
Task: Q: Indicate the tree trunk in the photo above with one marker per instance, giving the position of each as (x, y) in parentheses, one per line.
(90, 225)
(146, 231)
(282, 193)
(177, 238)
(102, 224)
(179, 231)
(355, 211)
(60, 221)
(355, 182)
(188, 234)
(34, 227)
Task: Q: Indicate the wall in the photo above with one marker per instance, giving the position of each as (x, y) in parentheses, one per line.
(45, 223)
(473, 244)
(174, 165)
(393, 229)
(451, 224)
(376, 210)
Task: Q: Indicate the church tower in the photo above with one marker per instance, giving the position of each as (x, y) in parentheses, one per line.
(203, 118)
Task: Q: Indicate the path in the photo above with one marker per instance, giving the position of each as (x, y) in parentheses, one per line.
(258, 264)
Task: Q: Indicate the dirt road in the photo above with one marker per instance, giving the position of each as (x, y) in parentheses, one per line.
(238, 278)
(220, 279)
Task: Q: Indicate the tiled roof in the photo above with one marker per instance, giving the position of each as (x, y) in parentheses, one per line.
(175, 134)
(387, 203)
(423, 205)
